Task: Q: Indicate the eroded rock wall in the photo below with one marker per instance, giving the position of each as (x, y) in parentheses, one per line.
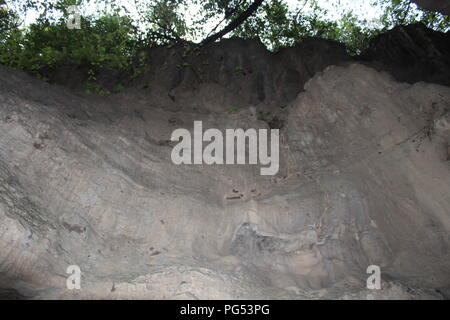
(363, 180)
(411, 53)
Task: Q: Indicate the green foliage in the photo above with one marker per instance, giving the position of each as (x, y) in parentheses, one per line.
(277, 26)
(9, 20)
(239, 70)
(10, 37)
(94, 87)
(232, 110)
(403, 12)
(183, 65)
(103, 43)
(118, 88)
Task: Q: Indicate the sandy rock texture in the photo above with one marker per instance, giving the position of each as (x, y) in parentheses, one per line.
(364, 180)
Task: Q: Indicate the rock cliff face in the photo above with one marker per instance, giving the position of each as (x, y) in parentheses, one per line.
(364, 180)
(411, 53)
(442, 6)
(244, 72)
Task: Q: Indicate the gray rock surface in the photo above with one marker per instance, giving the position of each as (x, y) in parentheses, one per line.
(88, 181)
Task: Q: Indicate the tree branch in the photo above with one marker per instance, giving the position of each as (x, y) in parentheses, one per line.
(235, 23)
